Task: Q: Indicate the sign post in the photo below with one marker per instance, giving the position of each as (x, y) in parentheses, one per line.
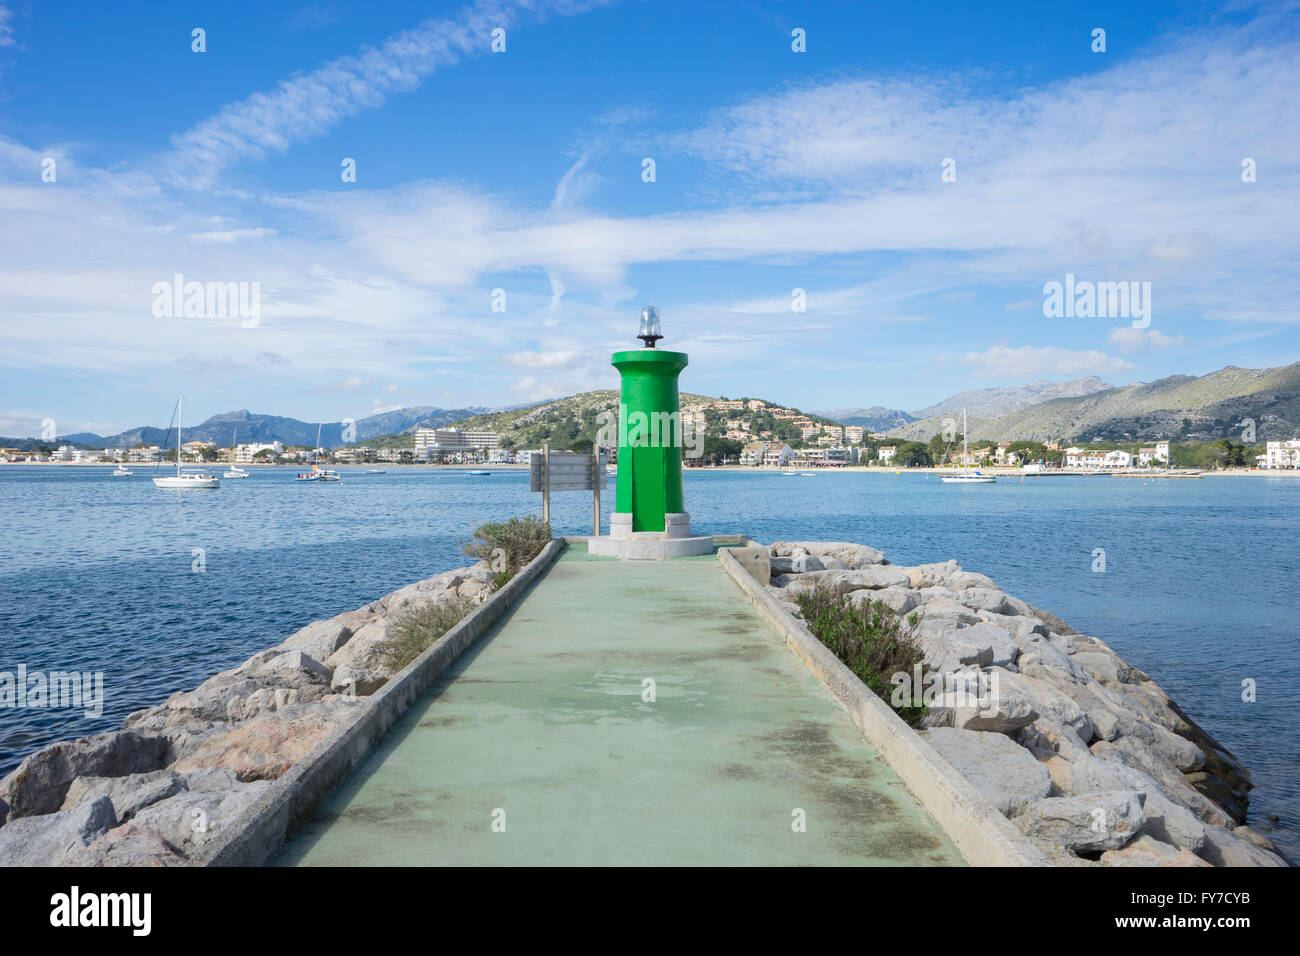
(566, 471)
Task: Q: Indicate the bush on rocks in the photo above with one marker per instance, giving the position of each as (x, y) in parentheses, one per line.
(870, 637)
(517, 541)
(420, 626)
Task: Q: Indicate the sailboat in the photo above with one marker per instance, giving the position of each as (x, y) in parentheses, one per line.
(181, 481)
(234, 471)
(964, 478)
(318, 473)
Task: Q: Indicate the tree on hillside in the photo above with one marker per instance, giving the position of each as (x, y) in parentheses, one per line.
(913, 454)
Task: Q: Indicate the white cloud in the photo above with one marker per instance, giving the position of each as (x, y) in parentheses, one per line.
(562, 359)
(234, 235)
(1128, 339)
(1028, 361)
(6, 31)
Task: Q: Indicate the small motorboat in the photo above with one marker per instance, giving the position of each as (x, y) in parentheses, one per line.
(374, 471)
(121, 471)
(478, 473)
(234, 471)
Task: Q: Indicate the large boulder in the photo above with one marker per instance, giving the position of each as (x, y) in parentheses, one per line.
(126, 845)
(999, 768)
(843, 582)
(1001, 703)
(266, 746)
(1225, 848)
(129, 794)
(367, 650)
(1144, 850)
(933, 575)
(1108, 668)
(899, 600)
(320, 639)
(40, 783)
(189, 820)
(48, 839)
(854, 555)
(1090, 822)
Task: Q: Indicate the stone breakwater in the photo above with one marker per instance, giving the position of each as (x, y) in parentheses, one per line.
(1077, 747)
(153, 793)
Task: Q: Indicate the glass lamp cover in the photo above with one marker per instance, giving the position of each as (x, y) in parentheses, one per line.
(650, 323)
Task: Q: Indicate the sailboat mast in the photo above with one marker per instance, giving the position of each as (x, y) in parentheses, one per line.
(965, 443)
(180, 409)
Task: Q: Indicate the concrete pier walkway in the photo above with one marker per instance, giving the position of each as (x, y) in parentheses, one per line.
(542, 726)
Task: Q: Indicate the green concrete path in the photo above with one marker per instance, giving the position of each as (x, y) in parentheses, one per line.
(543, 718)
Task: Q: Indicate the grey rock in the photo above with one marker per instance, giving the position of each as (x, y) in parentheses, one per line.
(961, 580)
(296, 662)
(320, 639)
(1086, 823)
(999, 702)
(126, 845)
(41, 781)
(933, 575)
(1145, 850)
(1108, 668)
(358, 681)
(48, 839)
(985, 599)
(1222, 848)
(189, 820)
(129, 794)
(1003, 771)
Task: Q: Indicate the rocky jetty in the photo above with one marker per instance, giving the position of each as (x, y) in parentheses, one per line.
(154, 792)
(1076, 746)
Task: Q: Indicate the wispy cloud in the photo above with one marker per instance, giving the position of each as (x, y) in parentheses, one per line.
(6, 31)
(306, 106)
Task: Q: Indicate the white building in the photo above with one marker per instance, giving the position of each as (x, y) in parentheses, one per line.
(853, 434)
(1281, 454)
(500, 456)
(1081, 458)
(454, 439)
(244, 454)
(886, 453)
(777, 455)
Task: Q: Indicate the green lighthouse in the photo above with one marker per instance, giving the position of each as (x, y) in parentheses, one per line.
(650, 519)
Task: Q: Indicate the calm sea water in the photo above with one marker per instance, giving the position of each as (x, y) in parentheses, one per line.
(1199, 587)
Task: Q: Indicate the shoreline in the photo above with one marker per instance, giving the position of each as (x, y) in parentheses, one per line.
(742, 469)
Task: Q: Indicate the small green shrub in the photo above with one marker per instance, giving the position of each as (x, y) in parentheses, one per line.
(508, 545)
(870, 638)
(423, 624)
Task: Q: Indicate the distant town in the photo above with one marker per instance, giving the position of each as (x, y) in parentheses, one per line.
(746, 432)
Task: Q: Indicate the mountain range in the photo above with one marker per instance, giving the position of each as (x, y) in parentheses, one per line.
(1218, 405)
(979, 403)
(247, 427)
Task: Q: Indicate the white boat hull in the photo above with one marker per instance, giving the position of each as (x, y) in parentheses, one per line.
(967, 479)
(187, 482)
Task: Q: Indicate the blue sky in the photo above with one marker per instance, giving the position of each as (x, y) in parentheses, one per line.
(522, 171)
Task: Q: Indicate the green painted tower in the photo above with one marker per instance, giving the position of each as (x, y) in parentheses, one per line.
(650, 519)
(649, 439)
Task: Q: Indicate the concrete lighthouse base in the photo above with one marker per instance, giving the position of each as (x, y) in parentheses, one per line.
(675, 541)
